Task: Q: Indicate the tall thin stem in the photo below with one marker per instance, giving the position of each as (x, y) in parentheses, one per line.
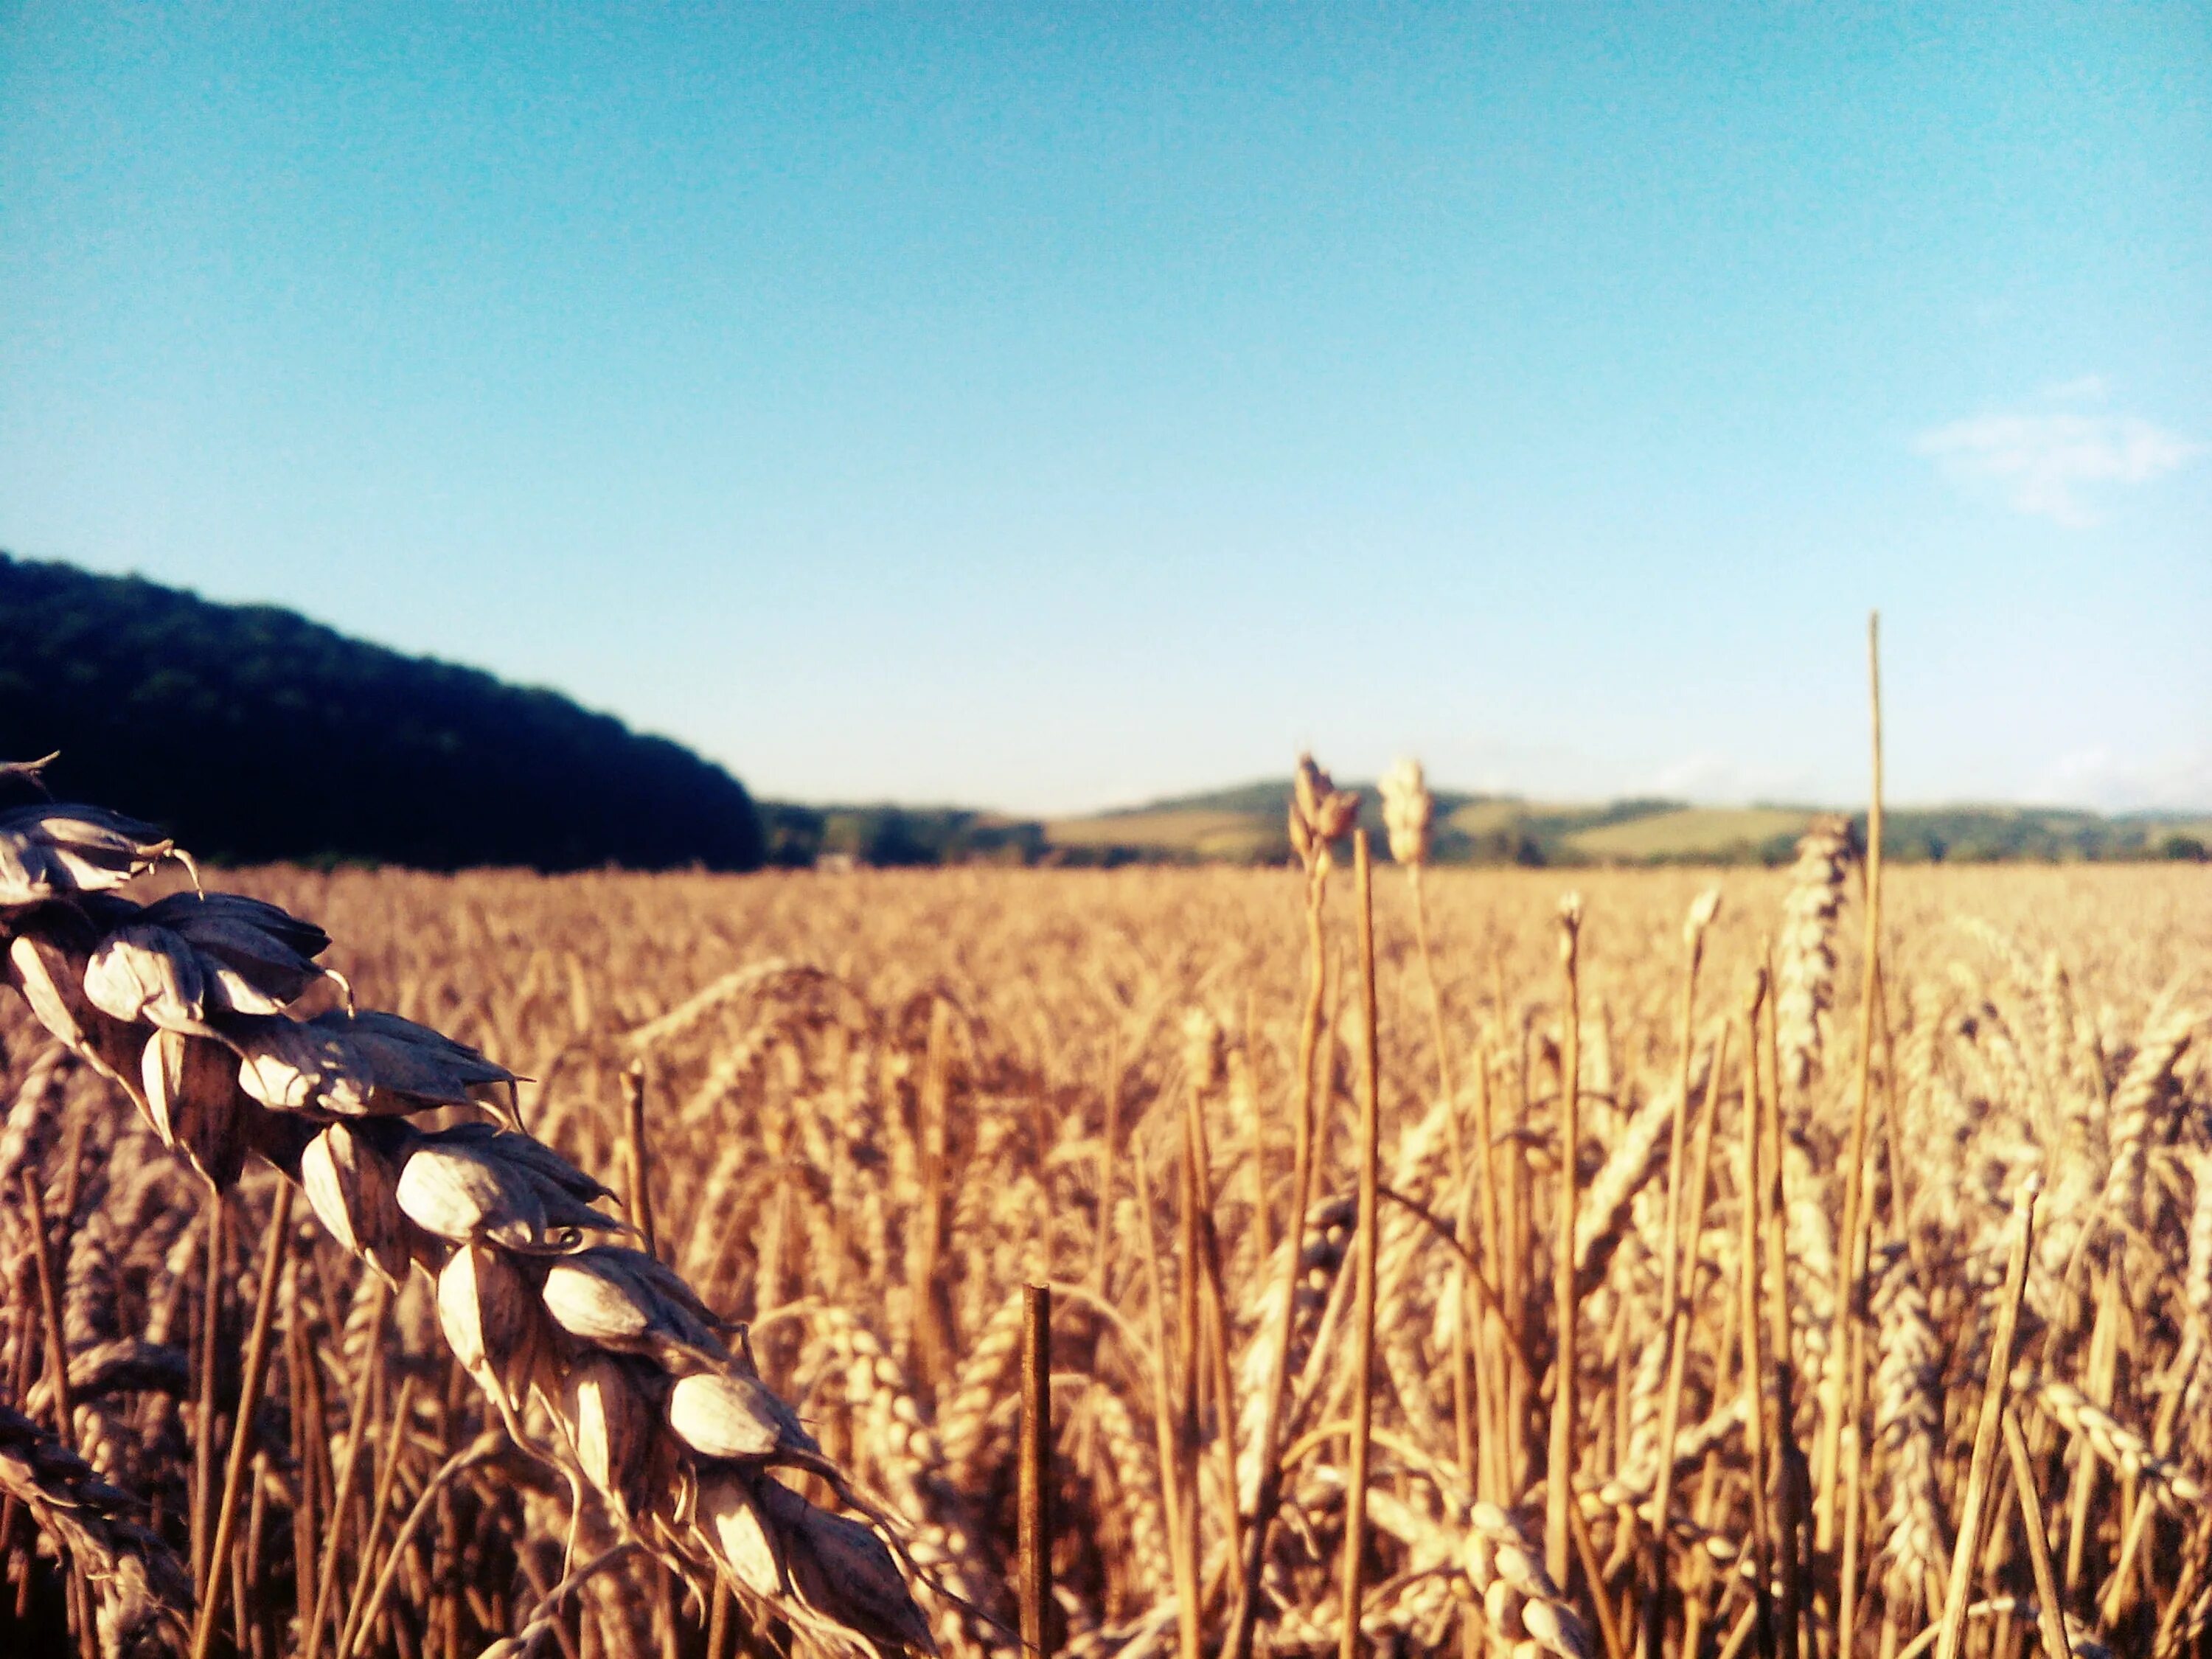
(2049, 1617)
(1754, 1360)
(1671, 1302)
(1182, 1559)
(932, 1337)
(638, 1200)
(1035, 1471)
(1108, 1132)
(342, 1482)
(1966, 1555)
(1558, 1538)
(387, 1474)
(50, 1302)
(1363, 1361)
(485, 1447)
(1461, 1359)
(1835, 1386)
(1239, 1646)
(273, 1248)
(210, 1345)
(1512, 1295)
(50, 1307)
(1215, 1325)
(1789, 1530)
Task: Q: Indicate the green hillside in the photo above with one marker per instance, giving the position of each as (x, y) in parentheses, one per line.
(1244, 824)
(251, 734)
(889, 836)
(1689, 832)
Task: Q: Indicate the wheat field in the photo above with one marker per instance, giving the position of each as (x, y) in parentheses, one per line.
(874, 1105)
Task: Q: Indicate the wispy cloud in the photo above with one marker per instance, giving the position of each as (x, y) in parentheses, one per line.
(2098, 777)
(2081, 389)
(1715, 778)
(2044, 459)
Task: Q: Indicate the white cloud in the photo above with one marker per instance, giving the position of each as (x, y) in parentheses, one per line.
(2043, 459)
(2081, 389)
(1712, 778)
(2097, 777)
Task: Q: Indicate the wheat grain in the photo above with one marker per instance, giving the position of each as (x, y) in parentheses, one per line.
(1805, 990)
(787, 1166)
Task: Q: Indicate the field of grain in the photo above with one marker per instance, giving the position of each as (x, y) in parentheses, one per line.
(875, 1105)
(1199, 833)
(1693, 832)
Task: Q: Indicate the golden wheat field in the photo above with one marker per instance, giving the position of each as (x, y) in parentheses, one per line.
(875, 1105)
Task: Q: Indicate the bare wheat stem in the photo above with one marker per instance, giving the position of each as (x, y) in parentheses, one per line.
(637, 1160)
(379, 1503)
(348, 1463)
(1319, 815)
(241, 1435)
(1565, 1299)
(481, 1450)
(1205, 1069)
(203, 1443)
(1836, 1391)
(1789, 1476)
(1182, 1522)
(1966, 1552)
(2050, 1624)
(1673, 1324)
(1035, 1496)
(58, 1371)
(1751, 1194)
(1370, 1243)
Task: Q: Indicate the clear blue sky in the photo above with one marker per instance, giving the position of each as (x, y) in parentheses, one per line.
(1057, 407)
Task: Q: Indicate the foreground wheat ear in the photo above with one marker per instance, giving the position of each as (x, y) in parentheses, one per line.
(193, 1007)
(142, 1584)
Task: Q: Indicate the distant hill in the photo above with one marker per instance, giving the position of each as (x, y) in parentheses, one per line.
(1245, 824)
(251, 734)
(893, 836)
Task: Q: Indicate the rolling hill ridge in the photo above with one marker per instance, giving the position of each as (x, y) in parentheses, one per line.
(1247, 821)
(1244, 824)
(254, 734)
(251, 734)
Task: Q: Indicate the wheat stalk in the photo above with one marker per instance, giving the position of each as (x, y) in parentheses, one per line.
(1062, 1049)
(669, 1423)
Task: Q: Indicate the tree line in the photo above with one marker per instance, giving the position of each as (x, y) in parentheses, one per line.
(253, 734)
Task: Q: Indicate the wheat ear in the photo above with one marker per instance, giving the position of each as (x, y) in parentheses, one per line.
(192, 1004)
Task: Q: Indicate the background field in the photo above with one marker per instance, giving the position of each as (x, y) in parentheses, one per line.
(1041, 1019)
(254, 733)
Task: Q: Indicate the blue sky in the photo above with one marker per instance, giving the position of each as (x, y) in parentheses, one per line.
(1055, 408)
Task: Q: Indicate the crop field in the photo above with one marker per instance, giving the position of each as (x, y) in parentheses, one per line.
(1205, 834)
(1892, 1321)
(1693, 832)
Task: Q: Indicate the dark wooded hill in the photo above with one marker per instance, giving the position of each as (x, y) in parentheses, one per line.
(251, 734)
